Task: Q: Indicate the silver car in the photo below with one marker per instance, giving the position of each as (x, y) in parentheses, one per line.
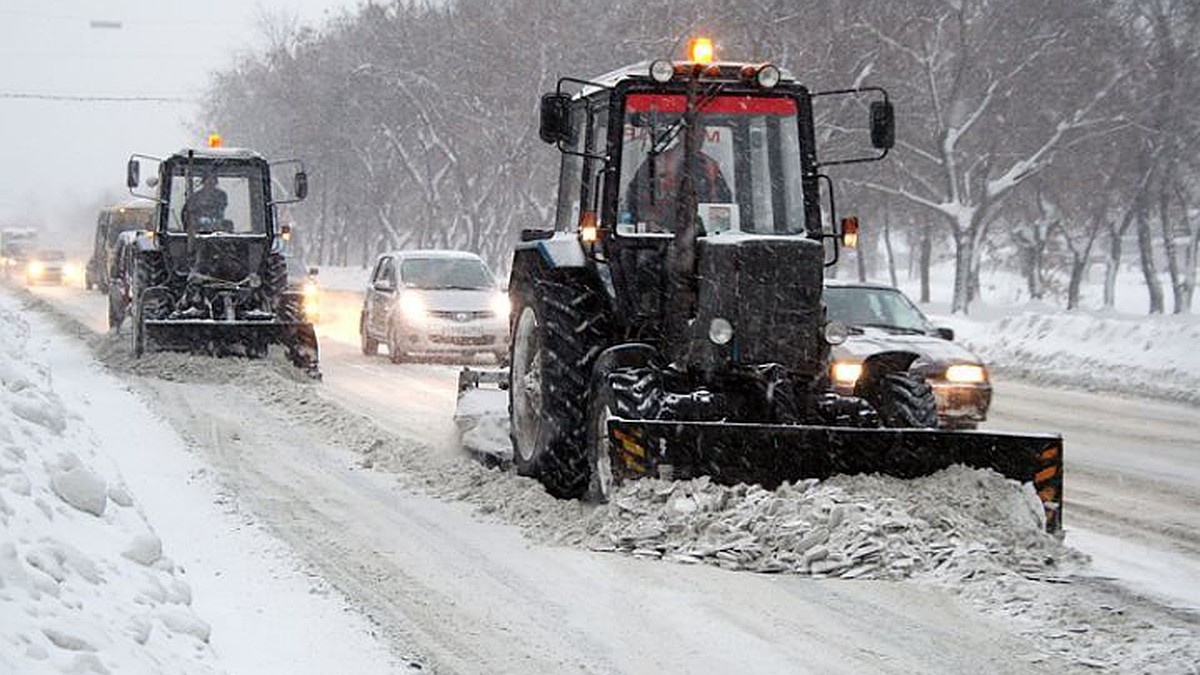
(431, 303)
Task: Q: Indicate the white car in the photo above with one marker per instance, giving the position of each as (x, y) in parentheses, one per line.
(434, 304)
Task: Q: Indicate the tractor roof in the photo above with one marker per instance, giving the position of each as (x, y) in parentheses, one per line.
(219, 153)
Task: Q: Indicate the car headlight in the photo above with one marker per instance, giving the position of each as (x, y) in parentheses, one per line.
(501, 305)
(312, 300)
(36, 268)
(966, 373)
(846, 373)
(412, 307)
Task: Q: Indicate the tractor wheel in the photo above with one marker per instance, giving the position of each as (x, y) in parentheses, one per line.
(630, 393)
(370, 346)
(906, 401)
(559, 330)
(274, 275)
(149, 271)
(117, 310)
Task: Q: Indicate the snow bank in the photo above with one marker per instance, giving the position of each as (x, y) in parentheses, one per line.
(84, 585)
(1139, 355)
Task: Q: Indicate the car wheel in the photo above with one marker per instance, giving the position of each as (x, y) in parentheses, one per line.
(370, 346)
(395, 352)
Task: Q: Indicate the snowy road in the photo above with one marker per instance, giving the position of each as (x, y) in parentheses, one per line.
(470, 594)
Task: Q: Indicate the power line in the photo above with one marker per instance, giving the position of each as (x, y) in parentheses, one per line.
(102, 99)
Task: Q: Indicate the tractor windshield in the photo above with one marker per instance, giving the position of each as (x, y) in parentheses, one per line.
(746, 171)
(217, 199)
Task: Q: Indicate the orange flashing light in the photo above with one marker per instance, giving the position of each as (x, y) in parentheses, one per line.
(214, 140)
(700, 50)
(850, 232)
(588, 231)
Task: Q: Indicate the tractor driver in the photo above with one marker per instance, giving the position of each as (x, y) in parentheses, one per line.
(653, 196)
(205, 208)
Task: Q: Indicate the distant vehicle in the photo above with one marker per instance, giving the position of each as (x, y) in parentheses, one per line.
(434, 303)
(882, 319)
(112, 221)
(46, 267)
(16, 245)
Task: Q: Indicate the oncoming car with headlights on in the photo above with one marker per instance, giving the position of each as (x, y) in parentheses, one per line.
(50, 267)
(434, 303)
(881, 318)
(303, 279)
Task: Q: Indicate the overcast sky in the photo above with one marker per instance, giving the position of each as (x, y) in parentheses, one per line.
(62, 153)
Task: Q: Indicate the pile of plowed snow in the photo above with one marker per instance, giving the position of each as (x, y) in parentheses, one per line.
(83, 578)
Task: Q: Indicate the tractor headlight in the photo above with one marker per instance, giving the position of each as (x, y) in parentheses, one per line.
(846, 373)
(720, 331)
(767, 77)
(412, 307)
(662, 71)
(836, 332)
(966, 373)
(501, 305)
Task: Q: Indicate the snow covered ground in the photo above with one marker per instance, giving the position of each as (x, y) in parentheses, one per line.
(119, 553)
(124, 553)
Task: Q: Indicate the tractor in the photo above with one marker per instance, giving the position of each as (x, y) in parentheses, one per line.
(672, 323)
(211, 274)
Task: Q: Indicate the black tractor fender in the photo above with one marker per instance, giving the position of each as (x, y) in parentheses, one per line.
(876, 366)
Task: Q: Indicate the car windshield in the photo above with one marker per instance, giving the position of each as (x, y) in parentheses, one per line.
(877, 307)
(445, 273)
(51, 256)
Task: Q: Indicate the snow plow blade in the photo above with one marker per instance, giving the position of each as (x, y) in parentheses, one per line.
(247, 338)
(771, 454)
(481, 415)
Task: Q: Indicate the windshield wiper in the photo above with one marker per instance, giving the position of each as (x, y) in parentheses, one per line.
(887, 326)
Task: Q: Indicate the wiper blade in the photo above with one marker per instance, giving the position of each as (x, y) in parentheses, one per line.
(887, 326)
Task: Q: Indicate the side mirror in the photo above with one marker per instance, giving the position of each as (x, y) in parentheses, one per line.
(312, 271)
(301, 185)
(555, 120)
(132, 174)
(883, 125)
(385, 285)
(944, 333)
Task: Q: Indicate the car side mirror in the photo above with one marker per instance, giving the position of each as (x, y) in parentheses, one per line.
(385, 285)
(132, 174)
(944, 333)
(301, 185)
(312, 271)
(555, 120)
(883, 125)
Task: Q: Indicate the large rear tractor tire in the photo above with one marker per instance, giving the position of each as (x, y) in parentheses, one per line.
(561, 326)
(149, 272)
(906, 401)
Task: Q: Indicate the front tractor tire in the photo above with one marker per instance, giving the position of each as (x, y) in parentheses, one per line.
(906, 400)
(559, 330)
